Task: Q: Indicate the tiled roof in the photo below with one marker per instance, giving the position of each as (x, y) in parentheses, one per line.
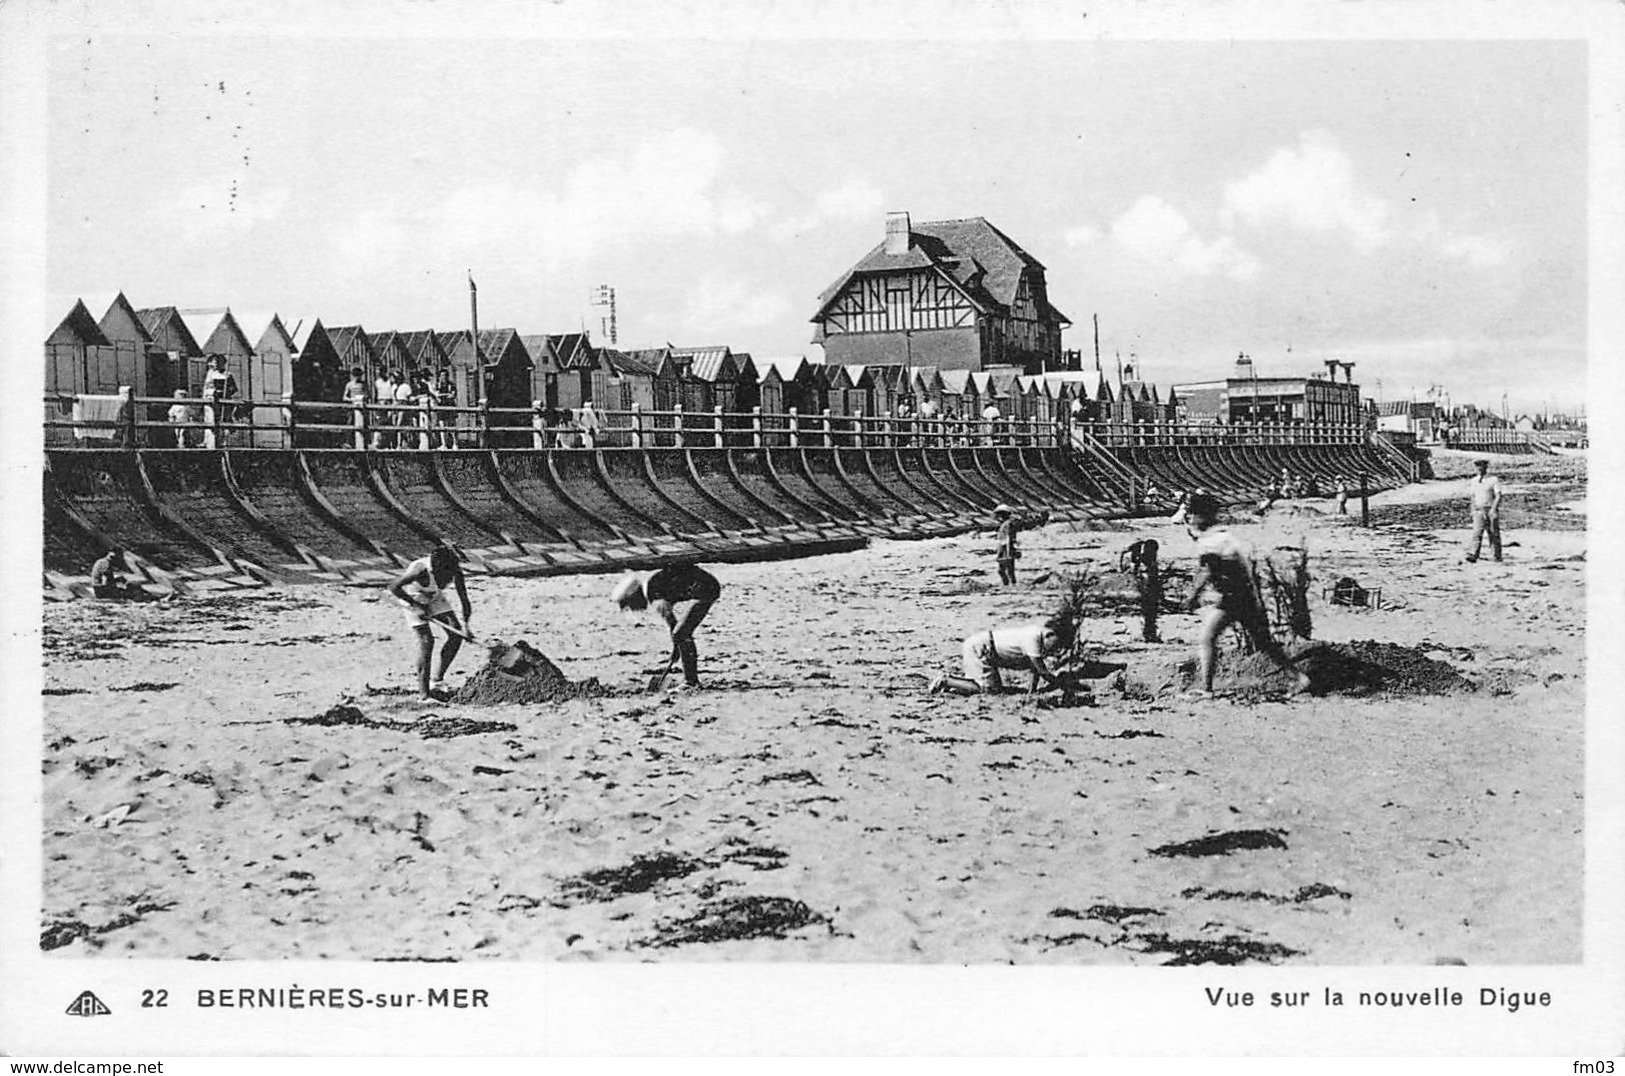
(708, 363)
(644, 362)
(163, 321)
(984, 261)
(497, 345)
(424, 348)
(389, 350)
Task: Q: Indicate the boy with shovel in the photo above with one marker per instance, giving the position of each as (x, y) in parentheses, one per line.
(663, 590)
(427, 603)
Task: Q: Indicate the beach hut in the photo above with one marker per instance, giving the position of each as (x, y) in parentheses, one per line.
(573, 354)
(79, 359)
(184, 356)
(960, 395)
(135, 351)
(787, 383)
(710, 377)
(507, 369)
(925, 383)
(270, 373)
(389, 352)
(318, 374)
(544, 369)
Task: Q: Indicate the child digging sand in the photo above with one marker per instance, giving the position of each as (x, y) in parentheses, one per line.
(1223, 588)
(427, 603)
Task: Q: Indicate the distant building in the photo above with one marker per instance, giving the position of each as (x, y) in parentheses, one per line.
(1409, 416)
(955, 294)
(1244, 397)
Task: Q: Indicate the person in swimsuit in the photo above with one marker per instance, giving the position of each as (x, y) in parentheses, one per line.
(1008, 550)
(664, 590)
(421, 588)
(1223, 589)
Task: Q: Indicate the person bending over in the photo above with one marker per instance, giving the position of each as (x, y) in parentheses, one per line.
(1223, 589)
(664, 591)
(422, 587)
(1038, 647)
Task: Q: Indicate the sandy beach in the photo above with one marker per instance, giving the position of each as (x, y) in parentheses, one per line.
(813, 802)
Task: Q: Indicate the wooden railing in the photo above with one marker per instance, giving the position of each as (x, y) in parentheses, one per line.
(1149, 434)
(128, 421)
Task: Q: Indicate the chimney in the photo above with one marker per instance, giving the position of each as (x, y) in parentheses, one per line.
(1244, 367)
(897, 233)
(1348, 372)
(1331, 368)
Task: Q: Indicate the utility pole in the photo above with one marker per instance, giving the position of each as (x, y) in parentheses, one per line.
(604, 295)
(474, 338)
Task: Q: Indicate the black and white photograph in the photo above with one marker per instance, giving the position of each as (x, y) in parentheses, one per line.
(664, 512)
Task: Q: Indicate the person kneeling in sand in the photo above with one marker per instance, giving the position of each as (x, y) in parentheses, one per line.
(663, 590)
(1033, 647)
(1223, 589)
(108, 582)
(427, 603)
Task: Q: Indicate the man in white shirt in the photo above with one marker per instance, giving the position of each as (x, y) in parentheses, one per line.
(383, 391)
(1486, 499)
(401, 390)
(1031, 647)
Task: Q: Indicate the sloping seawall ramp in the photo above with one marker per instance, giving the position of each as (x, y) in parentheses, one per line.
(344, 515)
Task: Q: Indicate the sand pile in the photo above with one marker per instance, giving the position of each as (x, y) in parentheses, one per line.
(522, 674)
(1362, 667)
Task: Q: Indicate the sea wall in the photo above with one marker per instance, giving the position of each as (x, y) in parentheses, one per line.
(250, 516)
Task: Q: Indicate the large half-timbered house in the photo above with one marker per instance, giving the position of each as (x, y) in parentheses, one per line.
(956, 294)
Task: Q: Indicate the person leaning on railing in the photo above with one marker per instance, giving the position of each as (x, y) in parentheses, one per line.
(180, 417)
(218, 388)
(355, 394)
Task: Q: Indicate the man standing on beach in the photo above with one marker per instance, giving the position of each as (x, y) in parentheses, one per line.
(1486, 511)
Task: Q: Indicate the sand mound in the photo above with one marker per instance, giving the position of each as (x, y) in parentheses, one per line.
(1363, 667)
(521, 674)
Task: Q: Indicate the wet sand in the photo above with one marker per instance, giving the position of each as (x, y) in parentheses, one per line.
(814, 802)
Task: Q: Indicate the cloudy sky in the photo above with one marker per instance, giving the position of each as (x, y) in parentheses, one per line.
(1416, 207)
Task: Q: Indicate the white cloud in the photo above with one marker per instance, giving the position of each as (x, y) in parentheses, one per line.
(1310, 187)
(854, 199)
(1080, 236)
(716, 304)
(663, 187)
(1155, 231)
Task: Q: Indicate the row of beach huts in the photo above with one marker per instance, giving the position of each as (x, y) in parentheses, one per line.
(158, 351)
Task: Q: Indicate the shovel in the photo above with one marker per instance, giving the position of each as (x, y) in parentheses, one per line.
(660, 677)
